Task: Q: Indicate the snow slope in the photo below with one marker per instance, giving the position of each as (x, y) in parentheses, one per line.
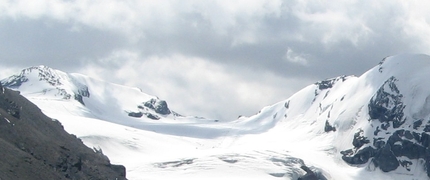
(372, 126)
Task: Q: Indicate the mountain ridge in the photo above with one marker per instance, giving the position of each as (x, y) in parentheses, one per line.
(44, 81)
(373, 125)
(386, 129)
(34, 146)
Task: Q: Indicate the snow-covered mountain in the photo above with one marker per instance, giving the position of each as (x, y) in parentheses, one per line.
(33, 146)
(97, 98)
(375, 126)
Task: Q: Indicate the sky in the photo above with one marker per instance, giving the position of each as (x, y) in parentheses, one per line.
(211, 58)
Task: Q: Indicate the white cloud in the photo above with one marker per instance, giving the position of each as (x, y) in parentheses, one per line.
(7, 71)
(217, 57)
(416, 24)
(326, 21)
(196, 86)
(330, 22)
(135, 17)
(294, 57)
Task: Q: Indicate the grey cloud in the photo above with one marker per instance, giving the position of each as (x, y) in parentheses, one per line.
(340, 39)
(28, 42)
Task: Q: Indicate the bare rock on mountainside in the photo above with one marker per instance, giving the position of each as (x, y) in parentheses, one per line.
(33, 146)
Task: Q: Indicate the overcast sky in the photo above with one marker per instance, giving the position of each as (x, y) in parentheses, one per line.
(217, 59)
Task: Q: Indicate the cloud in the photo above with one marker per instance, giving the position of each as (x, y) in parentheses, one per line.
(292, 56)
(193, 85)
(34, 42)
(7, 71)
(245, 50)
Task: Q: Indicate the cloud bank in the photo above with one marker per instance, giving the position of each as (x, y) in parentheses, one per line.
(217, 59)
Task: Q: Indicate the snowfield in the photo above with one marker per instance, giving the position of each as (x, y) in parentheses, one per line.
(340, 128)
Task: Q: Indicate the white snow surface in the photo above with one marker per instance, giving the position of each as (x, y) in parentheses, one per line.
(186, 147)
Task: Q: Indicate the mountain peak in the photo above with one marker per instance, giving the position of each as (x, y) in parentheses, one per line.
(47, 81)
(403, 64)
(43, 82)
(43, 73)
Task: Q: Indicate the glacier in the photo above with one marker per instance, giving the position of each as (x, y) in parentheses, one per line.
(372, 126)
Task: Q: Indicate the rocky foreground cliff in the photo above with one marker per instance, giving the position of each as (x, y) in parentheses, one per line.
(34, 146)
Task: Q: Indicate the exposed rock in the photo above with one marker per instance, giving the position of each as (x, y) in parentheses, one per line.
(15, 81)
(386, 105)
(406, 164)
(287, 104)
(427, 128)
(328, 127)
(361, 157)
(176, 114)
(159, 106)
(120, 169)
(79, 98)
(152, 116)
(33, 146)
(417, 123)
(135, 114)
(381, 63)
(11, 107)
(378, 143)
(51, 77)
(399, 144)
(82, 92)
(327, 84)
(386, 160)
(377, 130)
(359, 140)
(310, 175)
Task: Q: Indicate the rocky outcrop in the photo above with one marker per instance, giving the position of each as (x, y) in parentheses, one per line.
(310, 175)
(135, 114)
(34, 146)
(159, 106)
(51, 77)
(327, 84)
(328, 127)
(387, 107)
(82, 92)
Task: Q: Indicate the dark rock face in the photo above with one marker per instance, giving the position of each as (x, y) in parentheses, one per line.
(135, 114)
(83, 92)
(385, 159)
(140, 114)
(360, 157)
(328, 127)
(120, 169)
(159, 106)
(327, 84)
(151, 116)
(10, 106)
(387, 107)
(33, 146)
(359, 140)
(292, 163)
(49, 76)
(310, 175)
(15, 82)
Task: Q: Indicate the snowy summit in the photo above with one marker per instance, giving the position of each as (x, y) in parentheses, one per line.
(373, 126)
